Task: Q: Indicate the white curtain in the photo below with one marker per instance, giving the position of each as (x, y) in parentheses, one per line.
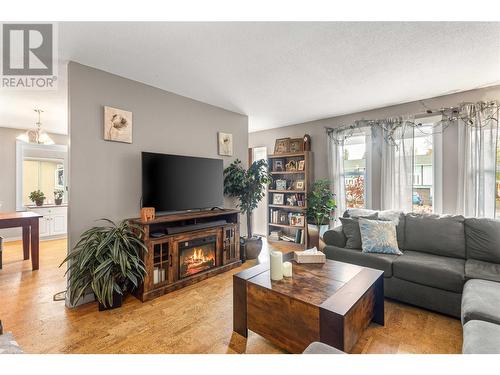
(477, 145)
(336, 169)
(397, 167)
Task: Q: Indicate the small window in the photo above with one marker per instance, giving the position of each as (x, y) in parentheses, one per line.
(42, 174)
(423, 187)
(355, 171)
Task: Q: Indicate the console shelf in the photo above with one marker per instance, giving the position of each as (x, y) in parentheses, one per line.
(164, 256)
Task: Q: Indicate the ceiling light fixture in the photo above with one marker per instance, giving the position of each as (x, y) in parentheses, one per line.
(36, 135)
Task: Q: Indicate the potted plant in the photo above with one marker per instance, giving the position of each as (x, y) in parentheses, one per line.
(37, 197)
(320, 209)
(58, 196)
(249, 187)
(106, 259)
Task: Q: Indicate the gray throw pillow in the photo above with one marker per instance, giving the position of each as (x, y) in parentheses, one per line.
(350, 227)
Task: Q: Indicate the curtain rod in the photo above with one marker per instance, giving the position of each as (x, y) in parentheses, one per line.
(428, 113)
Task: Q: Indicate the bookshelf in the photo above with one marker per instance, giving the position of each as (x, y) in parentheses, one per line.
(292, 175)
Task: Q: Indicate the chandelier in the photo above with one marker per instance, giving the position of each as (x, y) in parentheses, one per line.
(36, 135)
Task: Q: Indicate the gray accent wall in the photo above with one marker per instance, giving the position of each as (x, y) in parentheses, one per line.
(316, 129)
(8, 173)
(105, 177)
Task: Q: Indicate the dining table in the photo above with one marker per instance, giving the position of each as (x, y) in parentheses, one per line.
(29, 222)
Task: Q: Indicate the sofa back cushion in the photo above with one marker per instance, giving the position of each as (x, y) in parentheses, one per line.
(483, 239)
(397, 217)
(435, 234)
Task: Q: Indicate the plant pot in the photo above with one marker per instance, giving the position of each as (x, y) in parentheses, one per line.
(243, 254)
(315, 234)
(253, 247)
(39, 203)
(117, 302)
(58, 201)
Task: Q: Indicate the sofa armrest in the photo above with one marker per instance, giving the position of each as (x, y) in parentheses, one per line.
(335, 237)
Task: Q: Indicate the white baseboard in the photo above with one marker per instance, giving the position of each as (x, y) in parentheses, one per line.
(19, 238)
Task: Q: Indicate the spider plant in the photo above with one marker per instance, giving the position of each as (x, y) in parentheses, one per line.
(108, 260)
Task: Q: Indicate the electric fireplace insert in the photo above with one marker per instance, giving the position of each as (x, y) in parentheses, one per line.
(196, 256)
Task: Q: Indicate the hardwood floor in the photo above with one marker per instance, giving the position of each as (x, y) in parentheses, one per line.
(197, 319)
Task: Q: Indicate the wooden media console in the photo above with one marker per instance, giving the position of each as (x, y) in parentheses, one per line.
(186, 248)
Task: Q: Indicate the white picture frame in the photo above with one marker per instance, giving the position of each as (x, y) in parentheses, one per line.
(225, 142)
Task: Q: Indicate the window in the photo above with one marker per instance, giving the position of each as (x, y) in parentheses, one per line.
(423, 170)
(45, 175)
(355, 171)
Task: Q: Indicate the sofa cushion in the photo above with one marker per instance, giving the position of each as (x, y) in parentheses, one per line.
(476, 269)
(481, 301)
(434, 234)
(482, 236)
(350, 227)
(378, 236)
(431, 270)
(481, 338)
(381, 262)
(398, 217)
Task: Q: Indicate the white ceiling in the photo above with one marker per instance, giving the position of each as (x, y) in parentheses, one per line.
(278, 73)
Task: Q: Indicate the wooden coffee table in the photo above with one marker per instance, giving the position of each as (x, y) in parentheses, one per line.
(332, 303)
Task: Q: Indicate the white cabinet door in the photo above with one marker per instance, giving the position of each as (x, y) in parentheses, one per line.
(44, 226)
(58, 225)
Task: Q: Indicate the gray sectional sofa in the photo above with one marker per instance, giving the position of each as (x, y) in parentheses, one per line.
(450, 264)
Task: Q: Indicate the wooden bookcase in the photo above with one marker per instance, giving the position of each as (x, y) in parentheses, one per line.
(280, 215)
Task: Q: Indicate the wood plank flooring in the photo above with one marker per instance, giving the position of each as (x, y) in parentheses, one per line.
(197, 319)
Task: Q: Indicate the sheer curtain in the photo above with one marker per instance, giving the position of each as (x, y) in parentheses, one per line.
(477, 143)
(336, 174)
(397, 167)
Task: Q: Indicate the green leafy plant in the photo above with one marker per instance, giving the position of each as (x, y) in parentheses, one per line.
(37, 197)
(321, 203)
(58, 193)
(248, 186)
(108, 260)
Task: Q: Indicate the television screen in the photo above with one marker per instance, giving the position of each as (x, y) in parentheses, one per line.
(176, 183)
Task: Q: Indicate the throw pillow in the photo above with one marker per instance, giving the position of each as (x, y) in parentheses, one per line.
(378, 237)
(350, 227)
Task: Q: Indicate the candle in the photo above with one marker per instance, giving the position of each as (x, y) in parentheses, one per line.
(276, 260)
(287, 269)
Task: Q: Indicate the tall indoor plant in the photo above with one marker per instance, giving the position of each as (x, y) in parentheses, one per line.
(320, 210)
(249, 187)
(108, 260)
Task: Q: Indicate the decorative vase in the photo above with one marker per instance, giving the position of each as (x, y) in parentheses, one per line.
(58, 201)
(253, 247)
(315, 234)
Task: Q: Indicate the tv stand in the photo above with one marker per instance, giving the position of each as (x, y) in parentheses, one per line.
(196, 245)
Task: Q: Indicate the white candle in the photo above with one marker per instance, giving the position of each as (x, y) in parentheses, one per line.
(287, 269)
(276, 261)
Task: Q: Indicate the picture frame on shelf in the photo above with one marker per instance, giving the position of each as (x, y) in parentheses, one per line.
(299, 185)
(280, 184)
(296, 145)
(301, 165)
(282, 218)
(278, 165)
(297, 220)
(282, 146)
(291, 166)
(278, 198)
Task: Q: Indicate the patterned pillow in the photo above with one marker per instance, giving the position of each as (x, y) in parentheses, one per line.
(378, 237)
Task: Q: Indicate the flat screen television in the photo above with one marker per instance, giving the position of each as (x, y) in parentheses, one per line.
(178, 183)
